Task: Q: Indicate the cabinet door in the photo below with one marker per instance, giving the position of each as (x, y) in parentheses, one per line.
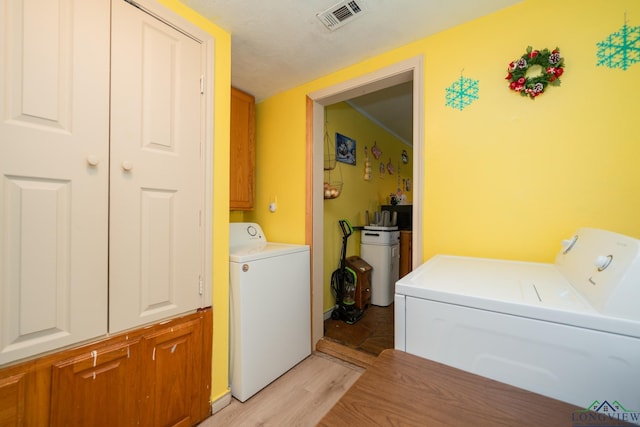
(242, 151)
(54, 168)
(12, 400)
(156, 231)
(171, 380)
(99, 388)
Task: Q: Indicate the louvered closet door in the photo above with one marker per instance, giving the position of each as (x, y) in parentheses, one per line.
(156, 247)
(54, 130)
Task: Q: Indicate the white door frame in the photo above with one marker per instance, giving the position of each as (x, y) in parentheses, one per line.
(160, 12)
(411, 69)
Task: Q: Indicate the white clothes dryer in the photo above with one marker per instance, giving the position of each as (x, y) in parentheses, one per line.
(568, 330)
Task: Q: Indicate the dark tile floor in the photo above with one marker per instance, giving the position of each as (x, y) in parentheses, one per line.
(372, 334)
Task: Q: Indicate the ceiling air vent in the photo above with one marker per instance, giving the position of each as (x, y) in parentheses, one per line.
(340, 14)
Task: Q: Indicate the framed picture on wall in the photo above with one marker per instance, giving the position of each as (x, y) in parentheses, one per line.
(345, 149)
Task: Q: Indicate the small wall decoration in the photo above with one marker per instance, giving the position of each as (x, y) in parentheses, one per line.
(345, 149)
(522, 76)
(367, 165)
(376, 151)
(405, 157)
(621, 49)
(461, 93)
(390, 168)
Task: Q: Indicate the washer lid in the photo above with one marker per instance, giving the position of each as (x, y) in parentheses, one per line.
(263, 250)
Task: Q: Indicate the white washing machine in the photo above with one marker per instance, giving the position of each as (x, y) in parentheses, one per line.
(380, 247)
(270, 308)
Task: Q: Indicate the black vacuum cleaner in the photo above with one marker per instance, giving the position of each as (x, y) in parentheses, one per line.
(343, 283)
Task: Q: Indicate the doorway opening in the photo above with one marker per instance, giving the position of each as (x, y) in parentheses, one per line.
(410, 70)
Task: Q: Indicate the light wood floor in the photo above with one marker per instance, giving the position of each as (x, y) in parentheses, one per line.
(301, 397)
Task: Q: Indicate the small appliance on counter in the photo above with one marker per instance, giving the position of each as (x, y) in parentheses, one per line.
(381, 219)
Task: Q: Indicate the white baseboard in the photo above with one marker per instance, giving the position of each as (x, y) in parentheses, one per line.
(221, 403)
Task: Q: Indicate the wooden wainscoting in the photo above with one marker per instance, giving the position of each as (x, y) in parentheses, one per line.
(156, 375)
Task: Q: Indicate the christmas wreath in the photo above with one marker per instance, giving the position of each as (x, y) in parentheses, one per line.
(550, 63)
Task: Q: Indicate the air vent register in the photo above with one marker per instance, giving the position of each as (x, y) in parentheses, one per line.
(340, 14)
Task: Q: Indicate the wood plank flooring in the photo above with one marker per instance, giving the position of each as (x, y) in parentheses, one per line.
(301, 397)
(372, 334)
(346, 353)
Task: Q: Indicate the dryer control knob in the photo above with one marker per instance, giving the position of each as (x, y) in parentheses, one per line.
(603, 262)
(567, 244)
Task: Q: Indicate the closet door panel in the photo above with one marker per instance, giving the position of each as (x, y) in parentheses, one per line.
(54, 130)
(156, 248)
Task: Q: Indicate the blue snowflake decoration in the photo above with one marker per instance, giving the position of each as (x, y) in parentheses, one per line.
(461, 93)
(621, 49)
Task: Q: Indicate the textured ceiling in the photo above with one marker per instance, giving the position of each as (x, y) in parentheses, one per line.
(279, 44)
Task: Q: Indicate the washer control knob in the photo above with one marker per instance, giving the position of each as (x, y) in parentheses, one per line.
(603, 262)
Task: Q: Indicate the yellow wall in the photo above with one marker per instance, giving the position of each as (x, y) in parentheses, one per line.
(510, 177)
(506, 177)
(280, 167)
(357, 195)
(222, 97)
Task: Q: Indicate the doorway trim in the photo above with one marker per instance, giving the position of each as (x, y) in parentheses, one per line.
(409, 70)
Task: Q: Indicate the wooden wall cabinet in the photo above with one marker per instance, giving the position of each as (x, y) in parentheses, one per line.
(158, 375)
(242, 151)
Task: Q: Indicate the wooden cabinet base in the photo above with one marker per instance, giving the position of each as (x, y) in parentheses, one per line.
(156, 375)
(406, 253)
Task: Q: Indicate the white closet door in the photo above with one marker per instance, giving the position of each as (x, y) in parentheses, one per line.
(156, 247)
(54, 141)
